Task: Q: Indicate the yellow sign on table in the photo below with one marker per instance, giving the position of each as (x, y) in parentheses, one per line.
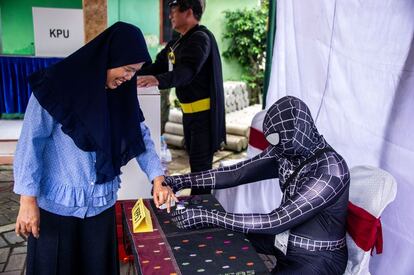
(141, 218)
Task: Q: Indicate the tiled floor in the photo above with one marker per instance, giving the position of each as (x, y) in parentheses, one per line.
(12, 247)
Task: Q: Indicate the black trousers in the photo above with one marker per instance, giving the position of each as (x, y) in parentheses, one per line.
(69, 245)
(197, 135)
(165, 108)
(298, 261)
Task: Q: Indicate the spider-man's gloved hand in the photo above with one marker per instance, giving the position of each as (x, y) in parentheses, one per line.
(192, 218)
(174, 182)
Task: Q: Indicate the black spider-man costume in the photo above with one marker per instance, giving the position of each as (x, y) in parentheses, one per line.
(310, 222)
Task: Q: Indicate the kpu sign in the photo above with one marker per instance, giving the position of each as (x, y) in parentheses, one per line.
(57, 32)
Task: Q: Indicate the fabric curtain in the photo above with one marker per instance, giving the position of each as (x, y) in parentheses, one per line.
(271, 31)
(352, 62)
(14, 88)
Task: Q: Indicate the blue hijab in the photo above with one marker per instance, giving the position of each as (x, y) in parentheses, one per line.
(106, 122)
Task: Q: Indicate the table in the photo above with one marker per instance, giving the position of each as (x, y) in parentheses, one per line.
(170, 250)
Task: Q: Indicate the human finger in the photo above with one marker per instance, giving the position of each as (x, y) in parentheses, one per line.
(161, 198)
(28, 228)
(156, 201)
(141, 81)
(173, 196)
(23, 230)
(17, 229)
(35, 230)
(168, 203)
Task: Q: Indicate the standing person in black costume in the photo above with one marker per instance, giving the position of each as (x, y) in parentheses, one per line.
(192, 64)
(306, 232)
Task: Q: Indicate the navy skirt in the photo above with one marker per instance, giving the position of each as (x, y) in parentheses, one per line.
(70, 245)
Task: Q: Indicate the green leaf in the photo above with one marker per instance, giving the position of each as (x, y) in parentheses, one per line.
(246, 37)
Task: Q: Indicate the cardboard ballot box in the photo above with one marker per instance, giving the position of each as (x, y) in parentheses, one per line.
(135, 183)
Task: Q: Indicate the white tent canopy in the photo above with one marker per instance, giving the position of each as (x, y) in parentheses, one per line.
(352, 62)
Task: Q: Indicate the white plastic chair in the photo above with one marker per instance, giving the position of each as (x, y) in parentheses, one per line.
(371, 189)
(256, 197)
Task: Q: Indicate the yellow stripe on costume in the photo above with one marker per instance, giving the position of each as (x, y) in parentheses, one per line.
(196, 106)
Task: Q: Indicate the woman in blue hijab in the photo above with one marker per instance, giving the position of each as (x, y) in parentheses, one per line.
(82, 124)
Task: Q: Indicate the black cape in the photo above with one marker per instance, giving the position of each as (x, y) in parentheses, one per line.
(218, 121)
(98, 120)
(184, 80)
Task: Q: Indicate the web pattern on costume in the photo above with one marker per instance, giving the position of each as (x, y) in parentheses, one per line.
(292, 120)
(208, 179)
(312, 192)
(316, 245)
(316, 186)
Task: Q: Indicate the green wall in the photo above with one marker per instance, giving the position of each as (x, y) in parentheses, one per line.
(142, 13)
(146, 15)
(1, 35)
(17, 22)
(214, 19)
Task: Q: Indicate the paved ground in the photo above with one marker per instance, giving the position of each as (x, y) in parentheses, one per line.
(13, 248)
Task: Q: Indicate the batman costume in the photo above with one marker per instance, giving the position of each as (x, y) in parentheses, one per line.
(192, 64)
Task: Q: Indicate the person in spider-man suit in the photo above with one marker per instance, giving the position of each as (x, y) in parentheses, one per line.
(306, 232)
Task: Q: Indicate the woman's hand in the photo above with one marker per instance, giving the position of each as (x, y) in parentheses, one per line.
(162, 193)
(28, 219)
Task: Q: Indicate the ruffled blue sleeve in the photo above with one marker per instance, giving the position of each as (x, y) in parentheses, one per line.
(149, 161)
(37, 129)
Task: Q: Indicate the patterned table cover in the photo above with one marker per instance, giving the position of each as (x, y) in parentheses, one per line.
(169, 250)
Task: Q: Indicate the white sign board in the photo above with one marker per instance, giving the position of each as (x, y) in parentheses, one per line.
(57, 32)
